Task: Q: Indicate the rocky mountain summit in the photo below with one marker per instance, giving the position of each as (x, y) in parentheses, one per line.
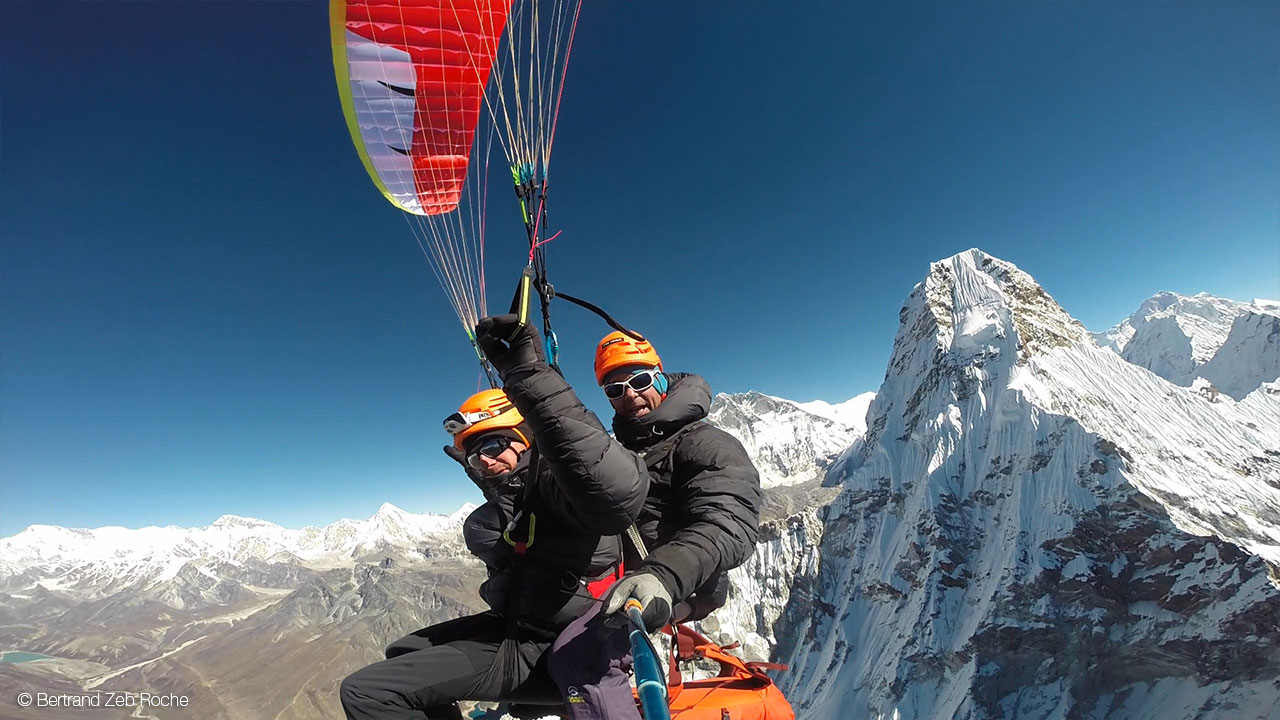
(1034, 527)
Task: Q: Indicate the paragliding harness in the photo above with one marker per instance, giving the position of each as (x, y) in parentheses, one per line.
(739, 691)
(658, 457)
(520, 534)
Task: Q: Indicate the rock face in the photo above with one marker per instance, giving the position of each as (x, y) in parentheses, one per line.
(779, 579)
(1035, 528)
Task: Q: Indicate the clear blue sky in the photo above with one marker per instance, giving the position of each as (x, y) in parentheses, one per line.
(207, 308)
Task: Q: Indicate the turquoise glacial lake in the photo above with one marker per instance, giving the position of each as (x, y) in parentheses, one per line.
(21, 657)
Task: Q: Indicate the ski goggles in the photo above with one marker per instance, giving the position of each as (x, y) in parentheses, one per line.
(490, 447)
(460, 421)
(638, 382)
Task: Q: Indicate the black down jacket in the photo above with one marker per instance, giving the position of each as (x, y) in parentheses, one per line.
(587, 491)
(702, 514)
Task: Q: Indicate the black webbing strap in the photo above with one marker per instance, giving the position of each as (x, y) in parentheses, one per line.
(523, 537)
(552, 292)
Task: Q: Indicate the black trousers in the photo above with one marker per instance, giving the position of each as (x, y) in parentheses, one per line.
(428, 671)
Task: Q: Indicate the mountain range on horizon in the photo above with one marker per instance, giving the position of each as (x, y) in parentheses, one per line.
(1026, 519)
(1181, 338)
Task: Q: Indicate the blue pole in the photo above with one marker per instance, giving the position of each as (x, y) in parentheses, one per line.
(650, 684)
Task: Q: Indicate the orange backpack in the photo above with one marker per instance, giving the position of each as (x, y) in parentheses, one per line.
(740, 692)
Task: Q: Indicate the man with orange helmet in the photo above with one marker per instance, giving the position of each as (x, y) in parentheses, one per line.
(700, 520)
(559, 492)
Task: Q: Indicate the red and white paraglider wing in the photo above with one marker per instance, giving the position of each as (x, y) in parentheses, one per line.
(412, 77)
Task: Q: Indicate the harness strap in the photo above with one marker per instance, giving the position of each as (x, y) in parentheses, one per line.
(553, 293)
(524, 526)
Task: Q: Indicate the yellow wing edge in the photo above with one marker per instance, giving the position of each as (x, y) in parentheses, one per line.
(338, 33)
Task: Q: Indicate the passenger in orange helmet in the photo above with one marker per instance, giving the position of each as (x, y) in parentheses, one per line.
(700, 520)
(559, 492)
(494, 432)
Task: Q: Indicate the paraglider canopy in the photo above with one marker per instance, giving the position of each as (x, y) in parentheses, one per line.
(412, 78)
(427, 88)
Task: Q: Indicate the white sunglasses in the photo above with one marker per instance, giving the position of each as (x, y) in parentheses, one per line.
(638, 382)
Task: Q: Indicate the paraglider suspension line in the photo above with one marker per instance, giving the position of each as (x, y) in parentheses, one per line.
(528, 191)
(489, 372)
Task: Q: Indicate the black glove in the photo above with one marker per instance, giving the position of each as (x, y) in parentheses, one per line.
(655, 599)
(477, 477)
(506, 344)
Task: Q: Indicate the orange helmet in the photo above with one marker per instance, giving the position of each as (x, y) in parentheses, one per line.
(483, 412)
(619, 349)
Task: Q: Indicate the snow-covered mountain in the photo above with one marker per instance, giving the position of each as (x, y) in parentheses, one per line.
(1181, 338)
(106, 560)
(1201, 320)
(243, 617)
(1250, 356)
(1027, 525)
(1036, 528)
(851, 413)
(790, 442)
